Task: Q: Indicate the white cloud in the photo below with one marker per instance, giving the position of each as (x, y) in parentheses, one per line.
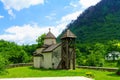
(51, 16)
(27, 34)
(65, 20)
(88, 3)
(73, 4)
(19, 4)
(1, 17)
(10, 12)
(73, 16)
(70, 17)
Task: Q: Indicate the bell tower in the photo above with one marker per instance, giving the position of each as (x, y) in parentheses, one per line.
(68, 50)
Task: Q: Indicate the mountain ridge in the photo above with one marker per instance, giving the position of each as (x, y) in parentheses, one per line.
(98, 23)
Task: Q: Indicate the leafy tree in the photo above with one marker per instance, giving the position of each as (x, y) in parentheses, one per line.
(3, 64)
(29, 49)
(80, 58)
(91, 54)
(40, 40)
(98, 23)
(113, 46)
(95, 60)
(13, 52)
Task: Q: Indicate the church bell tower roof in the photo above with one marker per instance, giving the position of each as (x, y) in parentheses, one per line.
(68, 34)
(50, 35)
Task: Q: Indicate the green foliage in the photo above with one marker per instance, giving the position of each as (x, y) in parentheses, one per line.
(79, 58)
(95, 60)
(90, 74)
(3, 64)
(81, 61)
(118, 64)
(98, 32)
(90, 54)
(98, 23)
(29, 49)
(114, 45)
(40, 40)
(12, 52)
(112, 64)
(93, 54)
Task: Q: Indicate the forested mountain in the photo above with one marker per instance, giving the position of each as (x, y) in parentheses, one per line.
(98, 23)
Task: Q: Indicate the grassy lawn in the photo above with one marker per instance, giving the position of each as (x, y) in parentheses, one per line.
(110, 64)
(31, 72)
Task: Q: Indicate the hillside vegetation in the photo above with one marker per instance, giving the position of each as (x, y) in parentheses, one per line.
(98, 23)
(98, 33)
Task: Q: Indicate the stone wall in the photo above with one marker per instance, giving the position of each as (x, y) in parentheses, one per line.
(50, 41)
(47, 60)
(37, 61)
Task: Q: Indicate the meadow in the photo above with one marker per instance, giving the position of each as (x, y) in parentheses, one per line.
(24, 72)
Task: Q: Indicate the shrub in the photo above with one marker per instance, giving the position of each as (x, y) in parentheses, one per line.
(94, 60)
(3, 64)
(118, 72)
(118, 64)
(89, 74)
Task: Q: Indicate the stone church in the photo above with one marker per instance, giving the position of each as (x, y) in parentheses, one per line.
(52, 55)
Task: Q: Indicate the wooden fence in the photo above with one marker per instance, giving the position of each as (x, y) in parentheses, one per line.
(20, 65)
(83, 67)
(99, 68)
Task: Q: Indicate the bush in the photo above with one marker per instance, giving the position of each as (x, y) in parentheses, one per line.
(94, 60)
(13, 52)
(90, 74)
(81, 61)
(118, 72)
(3, 64)
(118, 64)
(19, 57)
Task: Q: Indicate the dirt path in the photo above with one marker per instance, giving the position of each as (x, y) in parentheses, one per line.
(49, 78)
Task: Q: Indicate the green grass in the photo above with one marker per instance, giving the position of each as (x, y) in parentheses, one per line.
(110, 64)
(31, 72)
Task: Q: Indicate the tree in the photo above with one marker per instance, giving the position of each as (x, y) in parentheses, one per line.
(96, 57)
(40, 40)
(113, 48)
(80, 59)
(91, 54)
(13, 52)
(3, 64)
(95, 60)
(29, 49)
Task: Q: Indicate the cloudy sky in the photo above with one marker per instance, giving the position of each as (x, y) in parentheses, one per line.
(22, 21)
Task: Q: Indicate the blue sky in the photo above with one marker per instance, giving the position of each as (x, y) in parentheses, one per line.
(22, 21)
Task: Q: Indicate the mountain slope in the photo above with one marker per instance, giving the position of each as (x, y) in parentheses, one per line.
(98, 23)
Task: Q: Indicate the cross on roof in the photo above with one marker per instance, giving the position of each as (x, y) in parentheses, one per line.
(49, 29)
